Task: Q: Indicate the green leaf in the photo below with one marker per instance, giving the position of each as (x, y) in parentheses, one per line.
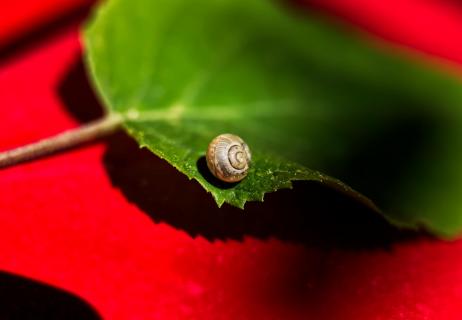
(302, 93)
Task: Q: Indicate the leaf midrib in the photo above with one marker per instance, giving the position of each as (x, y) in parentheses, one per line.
(259, 109)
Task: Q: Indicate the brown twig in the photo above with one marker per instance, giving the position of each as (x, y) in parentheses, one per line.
(68, 139)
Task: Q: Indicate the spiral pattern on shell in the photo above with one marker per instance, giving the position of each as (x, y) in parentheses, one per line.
(228, 158)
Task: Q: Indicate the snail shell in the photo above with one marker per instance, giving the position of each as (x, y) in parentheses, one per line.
(228, 158)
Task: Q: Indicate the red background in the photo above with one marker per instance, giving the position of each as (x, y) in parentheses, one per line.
(70, 222)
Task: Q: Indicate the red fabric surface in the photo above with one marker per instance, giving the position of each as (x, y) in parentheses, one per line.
(430, 26)
(18, 18)
(63, 222)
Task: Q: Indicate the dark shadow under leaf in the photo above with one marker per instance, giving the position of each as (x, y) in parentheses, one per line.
(35, 36)
(310, 213)
(77, 94)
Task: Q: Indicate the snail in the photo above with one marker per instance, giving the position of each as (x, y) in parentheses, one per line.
(228, 158)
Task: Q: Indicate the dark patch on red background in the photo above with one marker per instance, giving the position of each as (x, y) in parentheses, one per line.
(22, 298)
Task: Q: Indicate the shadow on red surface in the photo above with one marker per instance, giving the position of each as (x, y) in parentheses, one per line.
(29, 40)
(22, 298)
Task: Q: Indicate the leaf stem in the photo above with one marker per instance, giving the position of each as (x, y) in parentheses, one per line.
(65, 140)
